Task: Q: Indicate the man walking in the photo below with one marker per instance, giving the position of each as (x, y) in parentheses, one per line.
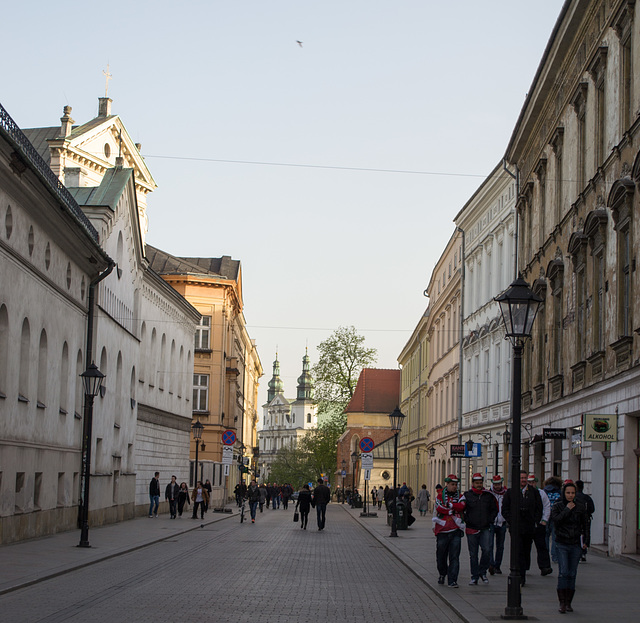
(587, 500)
(498, 527)
(480, 511)
(447, 526)
(253, 494)
(530, 516)
(154, 495)
(540, 536)
(171, 494)
(321, 497)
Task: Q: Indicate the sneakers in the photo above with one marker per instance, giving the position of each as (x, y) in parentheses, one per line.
(453, 585)
(253, 521)
(474, 582)
(441, 579)
(485, 579)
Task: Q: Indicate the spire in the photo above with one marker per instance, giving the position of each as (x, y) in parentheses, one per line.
(305, 383)
(276, 386)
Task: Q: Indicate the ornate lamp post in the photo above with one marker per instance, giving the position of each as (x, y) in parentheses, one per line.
(92, 381)
(396, 418)
(519, 306)
(417, 470)
(196, 429)
(344, 464)
(354, 462)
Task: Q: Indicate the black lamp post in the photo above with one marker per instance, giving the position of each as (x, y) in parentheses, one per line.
(354, 462)
(344, 464)
(519, 306)
(417, 470)
(196, 429)
(92, 381)
(396, 418)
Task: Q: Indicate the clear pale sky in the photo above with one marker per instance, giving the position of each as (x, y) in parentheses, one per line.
(425, 86)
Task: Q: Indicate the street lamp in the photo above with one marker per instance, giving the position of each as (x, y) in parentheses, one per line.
(91, 381)
(196, 429)
(519, 306)
(396, 418)
(344, 464)
(354, 461)
(417, 470)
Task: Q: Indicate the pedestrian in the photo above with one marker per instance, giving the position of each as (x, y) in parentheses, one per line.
(154, 495)
(209, 488)
(380, 497)
(199, 496)
(253, 495)
(269, 493)
(530, 516)
(321, 497)
(540, 536)
(171, 494)
(480, 511)
(183, 497)
(276, 497)
(263, 495)
(448, 528)
(587, 501)
(498, 527)
(423, 500)
(389, 497)
(304, 505)
(570, 520)
(552, 488)
(403, 490)
(237, 492)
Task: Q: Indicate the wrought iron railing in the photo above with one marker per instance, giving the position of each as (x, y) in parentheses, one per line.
(29, 152)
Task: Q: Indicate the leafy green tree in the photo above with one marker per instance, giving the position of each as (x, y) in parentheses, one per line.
(291, 465)
(342, 357)
(321, 445)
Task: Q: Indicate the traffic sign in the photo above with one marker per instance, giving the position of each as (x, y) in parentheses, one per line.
(367, 460)
(344, 473)
(367, 474)
(228, 438)
(227, 455)
(367, 444)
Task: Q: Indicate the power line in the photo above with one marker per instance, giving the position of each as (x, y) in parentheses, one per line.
(254, 326)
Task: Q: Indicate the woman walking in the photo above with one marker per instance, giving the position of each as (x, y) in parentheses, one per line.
(570, 523)
(183, 497)
(422, 501)
(380, 497)
(200, 497)
(304, 505)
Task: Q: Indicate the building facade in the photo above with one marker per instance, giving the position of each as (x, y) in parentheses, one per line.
(576, 148)
(285, 421)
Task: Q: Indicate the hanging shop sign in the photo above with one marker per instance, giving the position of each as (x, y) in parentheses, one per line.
(600, 427)
(554, 433)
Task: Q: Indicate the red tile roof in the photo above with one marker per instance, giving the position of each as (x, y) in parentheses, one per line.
(377, 391)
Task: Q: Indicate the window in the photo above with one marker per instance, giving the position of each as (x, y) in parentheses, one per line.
(308, 418)
(556, 277)
(203, 332)
(623, 27)
(578, 250)
(580, 106)
(557, 143)
(200, 392)
(597, 71)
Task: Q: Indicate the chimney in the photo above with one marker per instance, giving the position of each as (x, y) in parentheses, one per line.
(104, 106)
(67, 122)
(119, 162)
(139, 146)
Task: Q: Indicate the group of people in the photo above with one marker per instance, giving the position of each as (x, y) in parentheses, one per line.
(178, 496)
(560, 513)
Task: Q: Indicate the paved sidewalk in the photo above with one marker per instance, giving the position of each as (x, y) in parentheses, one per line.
(605, 588)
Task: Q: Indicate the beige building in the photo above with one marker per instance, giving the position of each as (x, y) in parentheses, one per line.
(576, 149)
(227, 367)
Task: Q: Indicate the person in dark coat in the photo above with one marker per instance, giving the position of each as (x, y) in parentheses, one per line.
(253, 495)
(570, 522)
(209, 488)
(321, 497)
(587, 501)
(530, 517)
(183, 497)
(480, 511)
(171, 494)
(304, 505)
(154, 495)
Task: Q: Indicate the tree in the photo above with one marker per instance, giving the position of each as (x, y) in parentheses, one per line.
(342, 357)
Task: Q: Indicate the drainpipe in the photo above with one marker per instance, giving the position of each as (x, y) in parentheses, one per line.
(461, 362)
(92, 287)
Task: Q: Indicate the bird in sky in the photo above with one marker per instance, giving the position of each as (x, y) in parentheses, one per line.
(299, 43)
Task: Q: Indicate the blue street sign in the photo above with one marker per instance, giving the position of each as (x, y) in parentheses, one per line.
(476, 453)
(367, 444)
(228, 438)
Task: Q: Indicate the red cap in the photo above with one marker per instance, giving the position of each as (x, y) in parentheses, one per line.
(477, 476)
(568, 482)
(531, 478)
(451, 478)
(497, 479)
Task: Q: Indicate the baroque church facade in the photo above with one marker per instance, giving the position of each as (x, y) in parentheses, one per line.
(285, 421)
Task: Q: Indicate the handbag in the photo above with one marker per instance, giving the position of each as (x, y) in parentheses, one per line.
(296, 516)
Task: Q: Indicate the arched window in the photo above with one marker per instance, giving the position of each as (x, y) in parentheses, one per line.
(4, 349)
(43, 370)
(78, 390)
(23, 378)
(64, 379)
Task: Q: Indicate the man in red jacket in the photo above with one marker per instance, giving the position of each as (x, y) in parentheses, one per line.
(448, 528)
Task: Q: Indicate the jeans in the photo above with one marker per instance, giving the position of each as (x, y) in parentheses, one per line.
(448, 546)
(321, 510)
(172, 507)
(252, 509)
(195, 509)
(154, 502)
(568, 560)
(551, 537)
(483, 540)
(497, 536)
(304, 519)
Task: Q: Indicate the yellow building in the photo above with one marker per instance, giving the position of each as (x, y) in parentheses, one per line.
(227, 367)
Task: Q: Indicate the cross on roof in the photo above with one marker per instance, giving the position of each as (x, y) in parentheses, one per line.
(108, 77)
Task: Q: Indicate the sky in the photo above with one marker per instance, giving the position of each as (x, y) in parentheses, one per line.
(331, 168)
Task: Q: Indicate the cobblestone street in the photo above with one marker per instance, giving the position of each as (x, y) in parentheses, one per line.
(230, 572)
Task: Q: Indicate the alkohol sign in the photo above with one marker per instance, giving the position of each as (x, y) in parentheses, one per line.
(600, 427)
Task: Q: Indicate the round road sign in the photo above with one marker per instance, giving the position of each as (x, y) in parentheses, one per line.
(228, 438)
(367, 444)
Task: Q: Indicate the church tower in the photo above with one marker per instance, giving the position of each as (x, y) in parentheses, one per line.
(305, 410)
(275, 385)
(305, 383)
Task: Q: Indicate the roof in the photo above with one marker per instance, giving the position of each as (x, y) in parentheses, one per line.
(38, 138)
(109, 191)
(377, 391)
(165, 264)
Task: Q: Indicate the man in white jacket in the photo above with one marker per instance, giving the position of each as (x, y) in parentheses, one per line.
(498, 528)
